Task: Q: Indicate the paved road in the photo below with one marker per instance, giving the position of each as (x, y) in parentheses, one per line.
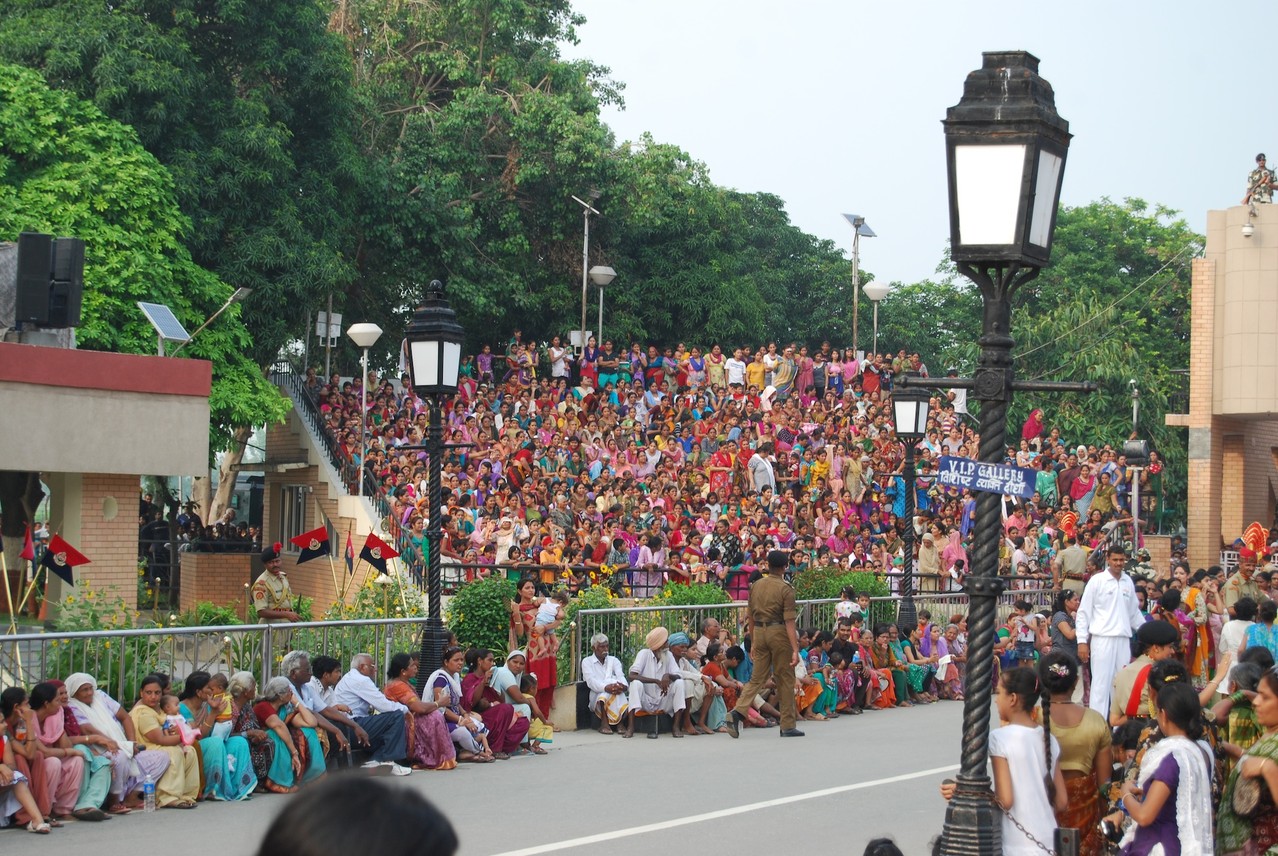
(848, 781)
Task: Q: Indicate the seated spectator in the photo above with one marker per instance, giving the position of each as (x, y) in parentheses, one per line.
(227, 761)
(466, 727)
(15, 791)
(180, 785)
(506, 728)
(515, 685)
(429, 744)
(607, 683)
(656, 685)
(308, 689)
(387, 735)
(92, 777)
(109, 730)
(298, 757)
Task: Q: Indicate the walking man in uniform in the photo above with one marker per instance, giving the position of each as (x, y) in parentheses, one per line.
(1108, 614)
(769, 619)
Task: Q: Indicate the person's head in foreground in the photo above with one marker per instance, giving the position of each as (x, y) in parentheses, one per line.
(351, 814)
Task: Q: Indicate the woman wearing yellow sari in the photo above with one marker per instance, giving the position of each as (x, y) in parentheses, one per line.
(1200, 600)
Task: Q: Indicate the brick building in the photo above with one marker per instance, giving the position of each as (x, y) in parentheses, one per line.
(90, 424)
(1233, 389)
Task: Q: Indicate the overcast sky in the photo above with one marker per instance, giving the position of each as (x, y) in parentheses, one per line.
(837, 106)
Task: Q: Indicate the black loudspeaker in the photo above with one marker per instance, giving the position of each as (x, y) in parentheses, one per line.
(35, 273)
(50, 280)
(68, 282)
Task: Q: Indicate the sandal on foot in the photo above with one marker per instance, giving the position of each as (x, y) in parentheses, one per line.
(41, 828)
(537, 750)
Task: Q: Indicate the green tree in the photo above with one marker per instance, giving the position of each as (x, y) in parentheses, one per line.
(249, 108)
(66, 169)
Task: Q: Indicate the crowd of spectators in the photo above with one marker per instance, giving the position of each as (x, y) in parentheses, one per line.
(689, 464)
(69, 751)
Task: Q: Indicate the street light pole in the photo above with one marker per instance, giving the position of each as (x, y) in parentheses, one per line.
(601, 275)
(876, 291)
(910, 411)
(365, 336)
(434, 350)
(1005, 157)
(587, 210)
(859, 228)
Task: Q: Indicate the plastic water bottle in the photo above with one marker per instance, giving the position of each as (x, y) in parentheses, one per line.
(148, 794)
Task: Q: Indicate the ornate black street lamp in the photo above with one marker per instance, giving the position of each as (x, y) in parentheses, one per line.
(1005, 152)
(434, 361)
(909, 418)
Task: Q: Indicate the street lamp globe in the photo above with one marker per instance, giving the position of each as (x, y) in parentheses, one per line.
(602, 275)
(434, 344)
(1005, 149)
(910, 411)
(876, 290)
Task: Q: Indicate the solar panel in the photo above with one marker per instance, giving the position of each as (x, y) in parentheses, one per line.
(164, 321)
(862, 228)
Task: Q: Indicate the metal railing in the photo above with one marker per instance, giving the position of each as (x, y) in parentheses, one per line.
(626, 627)
(119, 659)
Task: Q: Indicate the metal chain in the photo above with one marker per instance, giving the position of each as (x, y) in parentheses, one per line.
(1040, 845)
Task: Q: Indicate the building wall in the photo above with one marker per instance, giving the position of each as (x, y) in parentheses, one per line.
(1233, 410)
(97, 513)
(220, 578)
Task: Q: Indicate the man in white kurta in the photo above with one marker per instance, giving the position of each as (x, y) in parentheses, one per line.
(607, 683)
(655, 682)
(1108, 615)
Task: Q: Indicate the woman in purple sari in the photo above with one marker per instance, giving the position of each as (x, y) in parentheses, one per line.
(506, 728)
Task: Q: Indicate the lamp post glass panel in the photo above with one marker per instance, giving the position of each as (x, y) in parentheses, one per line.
(364, 336)
(910, 411)
(434, 361)
(1005, 152)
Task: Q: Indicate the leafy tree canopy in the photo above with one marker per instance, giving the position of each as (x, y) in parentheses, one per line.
(66, 169)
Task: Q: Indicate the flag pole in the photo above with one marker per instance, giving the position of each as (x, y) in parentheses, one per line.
(8, 595)
(399, 584)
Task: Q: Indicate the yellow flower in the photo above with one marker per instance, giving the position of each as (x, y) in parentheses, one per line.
(106, 644)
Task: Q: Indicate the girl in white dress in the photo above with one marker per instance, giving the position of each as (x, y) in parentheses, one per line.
(1022, 752)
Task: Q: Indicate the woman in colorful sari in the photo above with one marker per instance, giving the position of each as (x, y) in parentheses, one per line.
(949, 682)
(227, 761)
(180, 784)
(107, 729)
(1258, 834)
(95, 780)
(506, 728)
(720, 469)
(506, 680)
(429, 745)
(817, 657)
(1086, 757)
(895, 690)
(919, 670)
(1200, 602)
(541, 644)
(298, 755)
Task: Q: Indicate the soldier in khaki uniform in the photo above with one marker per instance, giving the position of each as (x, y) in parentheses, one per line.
(272, 598)
(770, 617)
(1241, 584)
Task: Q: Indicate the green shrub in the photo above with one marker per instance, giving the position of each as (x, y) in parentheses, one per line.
(206, 614)
(479, 614)
(118, 664)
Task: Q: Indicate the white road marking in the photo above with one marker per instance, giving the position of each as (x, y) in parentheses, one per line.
(715, 815)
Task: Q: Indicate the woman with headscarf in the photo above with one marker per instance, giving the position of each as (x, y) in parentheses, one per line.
(1032, 430)
(109, 729)
(506, 681)
(953, 553)
(929, 563)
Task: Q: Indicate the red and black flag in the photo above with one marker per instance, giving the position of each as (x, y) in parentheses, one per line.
(376, 552)
(350, 554)
(314, 544)
(61, 557)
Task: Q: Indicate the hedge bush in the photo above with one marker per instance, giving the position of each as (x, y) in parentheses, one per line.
(480, 614)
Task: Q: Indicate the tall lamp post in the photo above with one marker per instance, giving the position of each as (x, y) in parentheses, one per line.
(365, 336)
(588, 208)
(1005, 155)
(876, 291)
(910, 408)
(434, 361)
(601, 275)
(859, 228)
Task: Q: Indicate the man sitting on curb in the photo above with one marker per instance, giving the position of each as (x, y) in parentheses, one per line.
(607, 682)
(655, 683)
(387, 733)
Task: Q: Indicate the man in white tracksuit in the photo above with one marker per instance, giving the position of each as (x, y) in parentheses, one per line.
(1108, 615)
